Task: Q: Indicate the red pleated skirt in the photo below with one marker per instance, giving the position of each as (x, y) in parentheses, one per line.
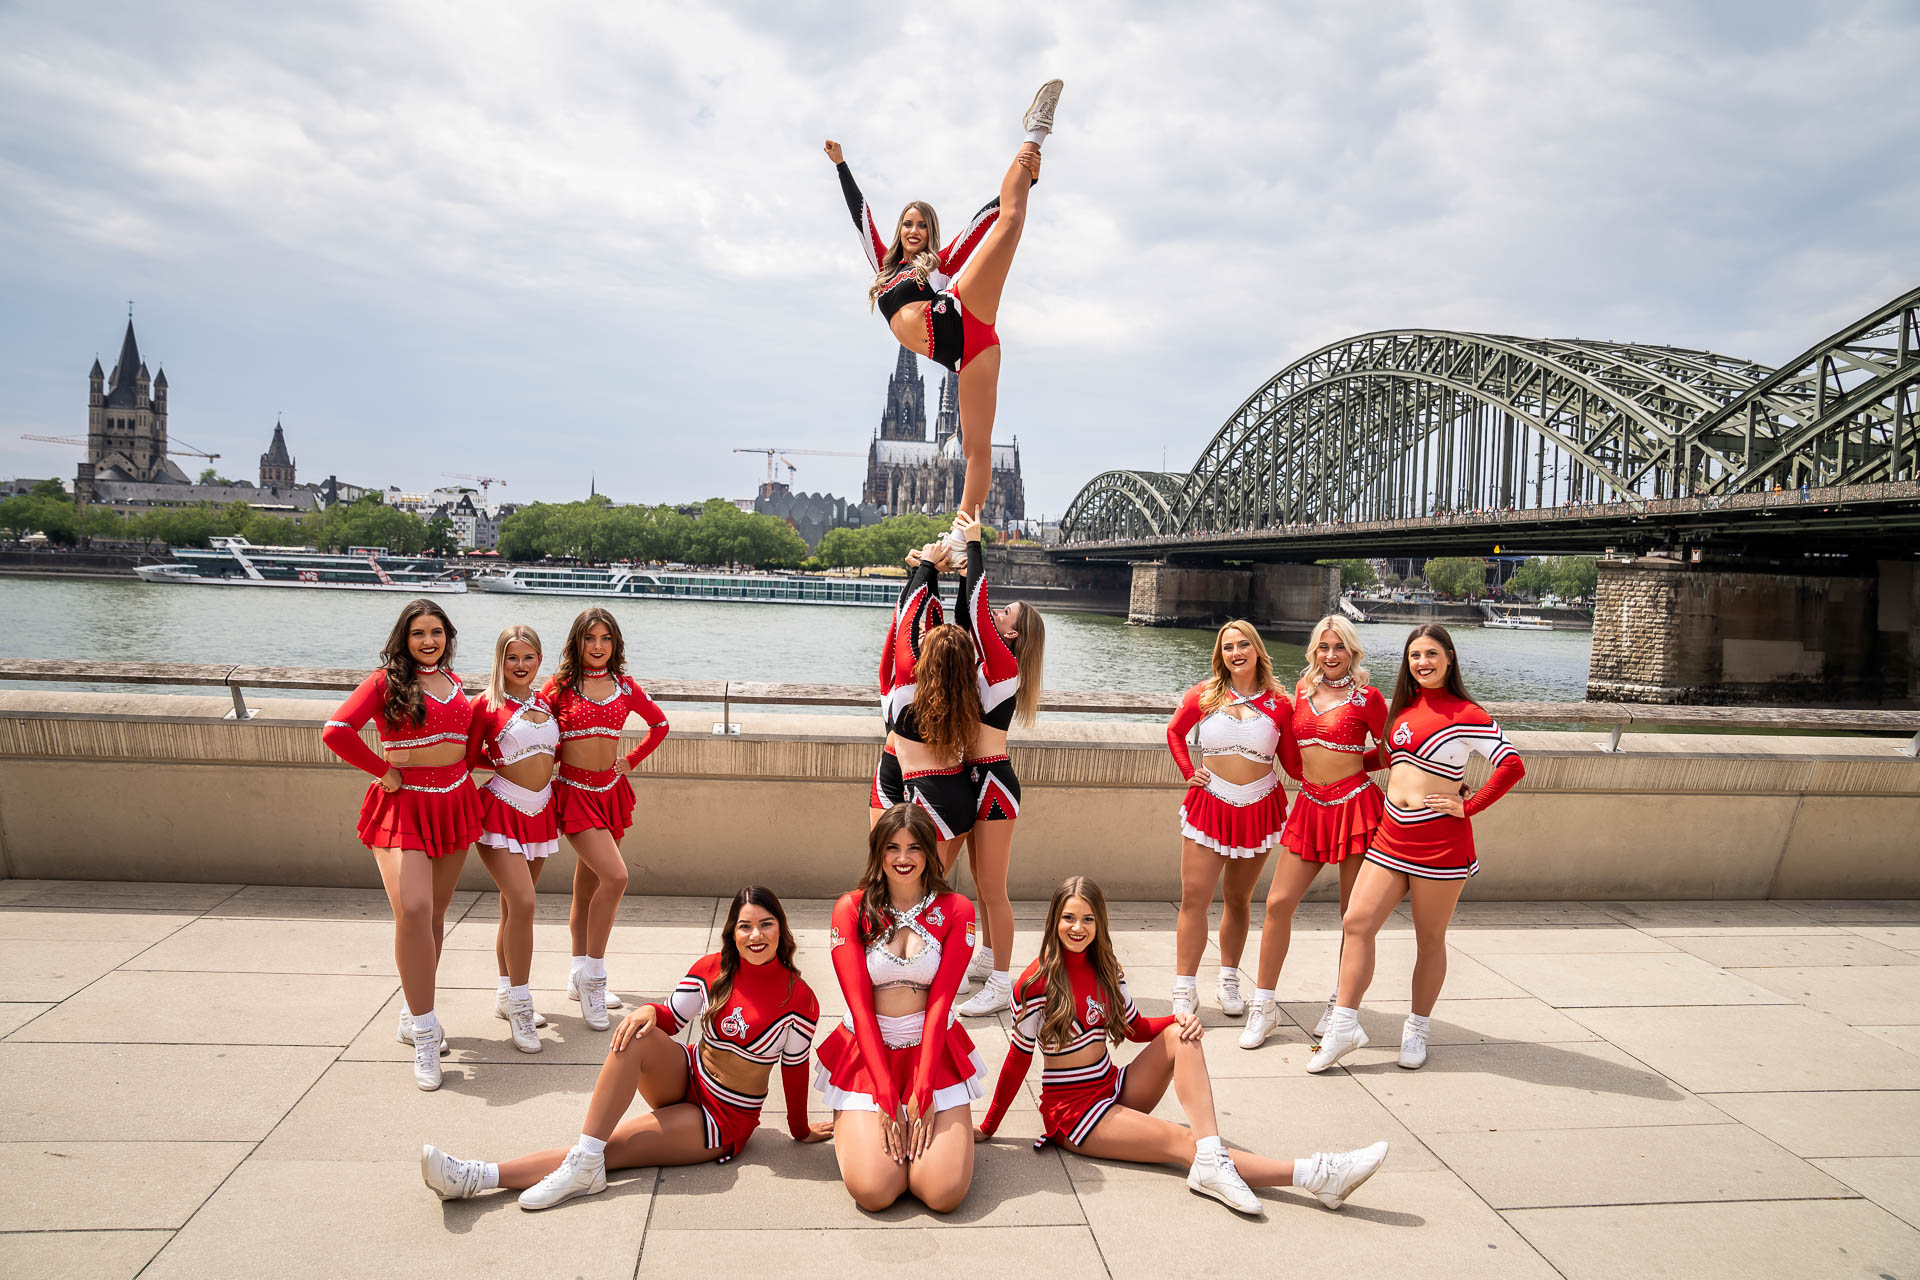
(593, 800)
(436, 810)
(842, 1076)
(1234, 830)
(507, 826)
(1420, 842)
(1334, 822)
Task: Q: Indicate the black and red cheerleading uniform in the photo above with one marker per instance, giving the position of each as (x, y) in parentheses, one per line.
(1072, 1100)
(945, 793)
(998, 675)
(1333, 822)
(1235, 820)
(954, 336)
(512, 817)
(436, 810)
(771, 1015)
(1437, 734)
(589, 799)
(876, 1062)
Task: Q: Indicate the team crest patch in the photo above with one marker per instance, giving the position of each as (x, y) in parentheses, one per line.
(734, 1024)
(935, 918)
(969, 933)
(833, 937)
(1096, 1013)
(1403, 735)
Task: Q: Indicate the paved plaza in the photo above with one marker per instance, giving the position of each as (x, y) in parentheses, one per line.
(201, 1081)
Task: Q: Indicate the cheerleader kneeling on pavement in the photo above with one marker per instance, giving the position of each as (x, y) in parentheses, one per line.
(1072, 1002)
(754, 1011)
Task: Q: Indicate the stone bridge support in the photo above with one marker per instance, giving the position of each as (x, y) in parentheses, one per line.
(1668, 632)
(1286, 597)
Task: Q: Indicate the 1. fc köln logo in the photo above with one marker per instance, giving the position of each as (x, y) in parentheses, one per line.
(1403, 735)
(734, 1024)
(1096, 1013)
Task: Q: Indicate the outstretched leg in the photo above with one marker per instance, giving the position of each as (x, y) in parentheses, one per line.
(979, 288)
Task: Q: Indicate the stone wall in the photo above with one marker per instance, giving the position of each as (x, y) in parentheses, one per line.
(1286, 597)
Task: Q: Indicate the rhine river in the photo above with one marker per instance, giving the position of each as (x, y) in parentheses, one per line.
(690, 640)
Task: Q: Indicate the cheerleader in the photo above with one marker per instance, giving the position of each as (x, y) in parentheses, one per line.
(899, 1072)
(591, 696)
(703, 1103)
(1424, 844)
(517, 738)
(1335, 711)
(422, 811)
(1234, 809)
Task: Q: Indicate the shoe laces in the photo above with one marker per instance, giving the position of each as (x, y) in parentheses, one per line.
(426, 1051)
(1230, 981)
(1413, 1038)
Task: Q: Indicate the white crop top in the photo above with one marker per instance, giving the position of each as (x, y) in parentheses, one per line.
(1255, 738)
(520, 737)
(915, 972)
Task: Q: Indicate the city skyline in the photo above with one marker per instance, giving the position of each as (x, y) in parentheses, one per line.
(601, 250)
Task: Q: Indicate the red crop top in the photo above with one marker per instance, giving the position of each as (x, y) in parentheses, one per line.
(450, 720)
(581, 717)
(1437, 734)
(1345, 725)
(771, 1015)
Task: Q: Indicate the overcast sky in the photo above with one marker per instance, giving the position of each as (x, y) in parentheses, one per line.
(555, 242)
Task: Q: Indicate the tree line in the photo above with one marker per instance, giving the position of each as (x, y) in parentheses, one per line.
(1465, 577)
(47, 509)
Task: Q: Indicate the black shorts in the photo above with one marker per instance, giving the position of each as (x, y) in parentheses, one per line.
(946, 794)
(996, 789)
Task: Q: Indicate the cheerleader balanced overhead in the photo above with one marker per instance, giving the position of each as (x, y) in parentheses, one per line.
(950, 320)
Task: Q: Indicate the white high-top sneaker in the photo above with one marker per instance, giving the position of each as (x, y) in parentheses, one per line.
(501, 1001)
(1227, 993)
(1326, 1016)
(1260, 1024)
(1213, 1175)
(993, 996)
(404, 1032)
(450, 1179)
(578, 1175)
(573, 992)
(981, 967)
(1413, 1046)
(1039, 116)
(426, 1058)
(1335, 1045)
(1335, 1175)
(523, 1021)
(1186, 1000)
(593, 1002)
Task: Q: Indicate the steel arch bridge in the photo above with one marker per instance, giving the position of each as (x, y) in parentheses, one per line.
(1419, 422)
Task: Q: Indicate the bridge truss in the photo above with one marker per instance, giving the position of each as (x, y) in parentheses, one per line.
(1419, 422)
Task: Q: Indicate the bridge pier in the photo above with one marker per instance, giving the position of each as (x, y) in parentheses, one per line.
(1287, 597)
(1671, 633)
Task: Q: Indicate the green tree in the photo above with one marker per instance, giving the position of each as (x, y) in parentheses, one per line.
(1575, 577)
(211, 476)
(1533, 578)
(441, 540)
(1458, 576)
(1355, 575)
(50, 489)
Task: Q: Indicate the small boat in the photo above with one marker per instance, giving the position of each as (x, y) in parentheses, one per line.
(628, 583)
(1511, 621)
(235, 562)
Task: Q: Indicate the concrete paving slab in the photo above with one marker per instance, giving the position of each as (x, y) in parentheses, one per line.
(65, 924)
(1525, 1021)
(1528, 1086)
(1661, 918)
(109, 1186)
(1906, 937)
(1284, 1054)
(1665, 1164)
(179, 1093)
(689, 941)
(15, 1015)
(376, 1219)
(1850, 1123)
(1744, 1048)
(1883, 995)
(1598, 939)
(224, 945)
(1907, 1038)
(293, 902)
(118, 895)
(39, 971)
(1829, 1239)
(78, 1255)
(646, 975)
(1472, 914)
(128, 1007)
(1313, 966)
(1290, 1118)
(635, 908)
(1892, 1182)
(474, 1035)
(1792, 951)
(1572, 981)
(1044, 1253)
(1844, 911)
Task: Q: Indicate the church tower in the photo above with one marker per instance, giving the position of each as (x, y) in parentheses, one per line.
(127, 420)
(905, 417)
(276, 466)
(947, 422)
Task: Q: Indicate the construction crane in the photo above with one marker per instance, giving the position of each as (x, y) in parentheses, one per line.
(482, 481)
(173, 446)
(779, 455)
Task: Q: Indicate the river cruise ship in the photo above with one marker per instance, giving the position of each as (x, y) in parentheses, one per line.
(235, 562)
(1510, 620)
(664, 584)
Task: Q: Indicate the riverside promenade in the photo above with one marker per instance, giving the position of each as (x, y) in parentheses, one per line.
(202, 1081)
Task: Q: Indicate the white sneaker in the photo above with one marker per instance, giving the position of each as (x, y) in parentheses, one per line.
(450, 1179)
(593, 1002)
(503, 999)
(578, 1175)
(1326, 1016)
(982, 967)
(1335, 1045)
(1413, 1047)
(1335, 1175)
(956, 549)
(404, 1032)
(426, 1059)
(988, 1000)
(1039, 116)
(1186, 1000)
(1260, 1024)
(573, 992)
(524, 1021)
(1214, 1175)
(1227, 994)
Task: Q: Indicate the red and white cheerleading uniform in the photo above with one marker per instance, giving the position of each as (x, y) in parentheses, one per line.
(602, 799)
(436, 809)
(1235, 820)
(770, 1016)
(946, 794)
(1437, 734)
(875, 1062)
(1072, 1100)
(1334, 821)
(997, 673)
(512, 817)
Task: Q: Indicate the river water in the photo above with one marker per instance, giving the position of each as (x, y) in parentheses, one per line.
(678, 639)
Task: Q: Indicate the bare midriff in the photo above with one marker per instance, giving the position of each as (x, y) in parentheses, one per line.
(918, 757)
(987, 743)
(1085, 1056)
(1408, 786)
(909, 325)
(440, 753)
(734, 1071)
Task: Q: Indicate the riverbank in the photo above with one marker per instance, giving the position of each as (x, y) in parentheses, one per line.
(1447, 613)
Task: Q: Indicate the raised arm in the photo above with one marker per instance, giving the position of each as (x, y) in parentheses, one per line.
(917, 609)
(876, 248)
(1185, 717)
(650, 714)
(850, 967)
(956, 953)
(999, 669)
(342, 731)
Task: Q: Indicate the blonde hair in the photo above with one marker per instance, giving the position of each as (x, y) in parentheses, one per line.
(925, 263)
(497, 682)
(1356, 652)
(1219, 689)
(1030, 651)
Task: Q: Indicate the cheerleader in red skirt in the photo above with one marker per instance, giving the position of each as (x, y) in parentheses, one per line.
(592, 696)
(1072, 1002)
(1335, 712)
(754, 1011)
(900, 1072)
(1424, 844)
(1234, 808)
(422, 811)
(518, 738)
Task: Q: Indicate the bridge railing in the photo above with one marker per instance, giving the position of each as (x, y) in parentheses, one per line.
(1616, 716)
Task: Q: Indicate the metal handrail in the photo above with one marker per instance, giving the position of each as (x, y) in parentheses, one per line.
(1619, 716)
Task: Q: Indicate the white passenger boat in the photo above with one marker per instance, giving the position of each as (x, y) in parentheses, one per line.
(629, 583)
(1511, 621)
(235, 562)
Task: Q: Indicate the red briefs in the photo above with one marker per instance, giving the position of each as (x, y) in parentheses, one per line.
(436, 810)
(589, 799)
(1334, 822)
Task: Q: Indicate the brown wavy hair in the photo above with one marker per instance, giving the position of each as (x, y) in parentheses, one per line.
(876, 919)
(1406, 688)
(925, 263)
(1056, 1024)
(946, 694)
(730, 962)
(406, 702)
(569, 674)
(1219, 690)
